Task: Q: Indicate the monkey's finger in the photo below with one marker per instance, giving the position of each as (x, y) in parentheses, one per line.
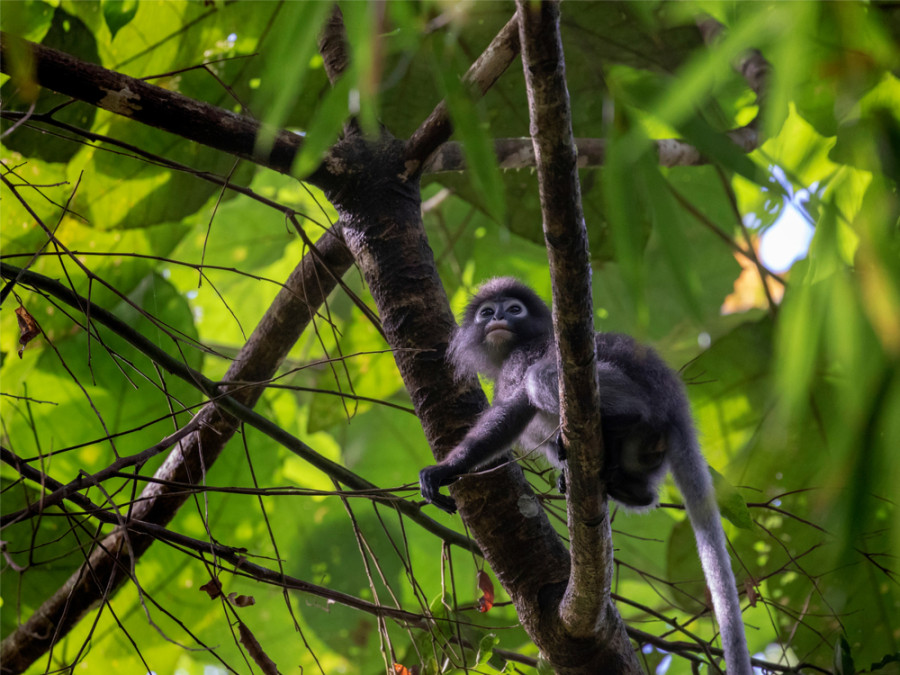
(444, 503)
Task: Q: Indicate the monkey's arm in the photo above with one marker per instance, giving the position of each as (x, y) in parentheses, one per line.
(494, 432)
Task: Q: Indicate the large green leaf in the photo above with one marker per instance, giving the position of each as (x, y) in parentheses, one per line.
(69, 34)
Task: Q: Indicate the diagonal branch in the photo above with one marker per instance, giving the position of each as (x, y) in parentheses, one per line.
(280, 327)
(234, 555)
(151, 105)
(480, 77)
(231, 403)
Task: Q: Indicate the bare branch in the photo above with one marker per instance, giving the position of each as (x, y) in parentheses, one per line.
(518, 153)
(151, 105)
(586, 610)
(480, 77)
(283, 322)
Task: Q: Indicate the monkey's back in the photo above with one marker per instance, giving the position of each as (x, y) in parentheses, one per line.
(642, 365)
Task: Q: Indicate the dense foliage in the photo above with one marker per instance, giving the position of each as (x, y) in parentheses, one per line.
(794, 380)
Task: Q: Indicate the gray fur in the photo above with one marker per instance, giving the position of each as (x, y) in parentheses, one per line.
(646, 419)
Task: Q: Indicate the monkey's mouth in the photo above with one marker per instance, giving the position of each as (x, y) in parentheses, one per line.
(498, 334)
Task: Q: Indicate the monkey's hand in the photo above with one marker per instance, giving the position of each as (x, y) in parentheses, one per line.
(431, 478)
(561, 453)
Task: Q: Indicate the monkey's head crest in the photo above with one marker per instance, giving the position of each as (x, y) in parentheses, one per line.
(470, 353)
(507, 287)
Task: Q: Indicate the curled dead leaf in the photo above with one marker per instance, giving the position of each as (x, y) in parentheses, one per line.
(241, 600)
(28, 328)
(750, 588)
(213, 587)
(486, 601)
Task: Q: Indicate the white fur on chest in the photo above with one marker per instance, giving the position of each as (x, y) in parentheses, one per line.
(540, 436)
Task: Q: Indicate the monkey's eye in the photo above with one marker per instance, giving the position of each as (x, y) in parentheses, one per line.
(486, 312)
(515, 309)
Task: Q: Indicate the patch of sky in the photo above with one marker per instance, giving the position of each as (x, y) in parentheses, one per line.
(664, 665)
(788, 239)
(666, 662)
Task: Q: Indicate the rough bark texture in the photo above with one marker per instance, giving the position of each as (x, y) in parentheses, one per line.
(586, 611)
(111, 562)
(383, 228)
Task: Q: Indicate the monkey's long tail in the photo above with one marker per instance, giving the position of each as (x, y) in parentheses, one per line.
(692, 477)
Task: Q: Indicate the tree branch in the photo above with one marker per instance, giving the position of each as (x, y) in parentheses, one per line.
(230, 403)
(518, 153)
(151, 105)
(281, 325)
(586, 610)
(480, 77)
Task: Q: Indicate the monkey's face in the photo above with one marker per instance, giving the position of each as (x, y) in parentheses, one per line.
(501, 320)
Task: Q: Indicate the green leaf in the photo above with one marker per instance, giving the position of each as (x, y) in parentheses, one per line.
(629, 223)
(720, 148)
(486, 648)
(731, 504)
(472, 132)
(70, 34)
(366, 60)
(294, 37)
(843, 659)
(118, 14)
(324, 128)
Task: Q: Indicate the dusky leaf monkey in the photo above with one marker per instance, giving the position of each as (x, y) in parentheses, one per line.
(507, 336)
